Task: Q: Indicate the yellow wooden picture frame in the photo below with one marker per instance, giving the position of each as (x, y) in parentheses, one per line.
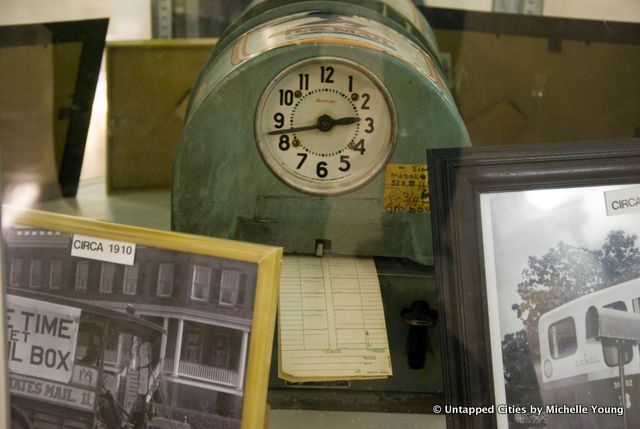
(266, 258)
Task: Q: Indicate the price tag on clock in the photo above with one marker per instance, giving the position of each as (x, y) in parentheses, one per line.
(406, 189)
(100, 249)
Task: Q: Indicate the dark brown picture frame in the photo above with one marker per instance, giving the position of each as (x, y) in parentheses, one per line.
(76, 92)
(458, 178)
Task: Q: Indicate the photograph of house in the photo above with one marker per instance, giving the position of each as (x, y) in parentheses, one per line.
(204, 303)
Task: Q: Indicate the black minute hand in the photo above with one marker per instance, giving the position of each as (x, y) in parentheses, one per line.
(325, 123)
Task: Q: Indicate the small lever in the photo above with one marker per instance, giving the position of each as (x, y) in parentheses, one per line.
(419, 316)
(322, 247)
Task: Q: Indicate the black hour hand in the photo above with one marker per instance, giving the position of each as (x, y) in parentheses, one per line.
(325, 123)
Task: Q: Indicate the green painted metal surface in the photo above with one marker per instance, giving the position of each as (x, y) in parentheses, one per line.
(221, 185)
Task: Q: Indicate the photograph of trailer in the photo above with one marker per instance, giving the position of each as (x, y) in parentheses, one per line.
(562, 289)
(590, 357)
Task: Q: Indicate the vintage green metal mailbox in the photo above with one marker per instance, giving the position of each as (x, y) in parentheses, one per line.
(307, 129)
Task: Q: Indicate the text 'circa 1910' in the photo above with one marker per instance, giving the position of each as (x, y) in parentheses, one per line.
(101, 249)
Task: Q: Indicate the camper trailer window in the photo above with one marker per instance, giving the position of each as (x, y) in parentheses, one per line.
(618, 305)
(562, 338)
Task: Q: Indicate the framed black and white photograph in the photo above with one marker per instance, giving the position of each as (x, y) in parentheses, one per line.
(114, 326)
(539, 271)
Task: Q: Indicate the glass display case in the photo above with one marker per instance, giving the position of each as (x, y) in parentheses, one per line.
(306, 125)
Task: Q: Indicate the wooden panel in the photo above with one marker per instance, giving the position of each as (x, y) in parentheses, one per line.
(148, 89)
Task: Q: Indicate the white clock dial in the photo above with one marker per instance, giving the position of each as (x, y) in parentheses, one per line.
(325, 125)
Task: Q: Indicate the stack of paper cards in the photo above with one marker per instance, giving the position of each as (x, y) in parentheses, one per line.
(331, 320)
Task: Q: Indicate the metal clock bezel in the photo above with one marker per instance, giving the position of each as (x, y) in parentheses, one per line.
(319, 187)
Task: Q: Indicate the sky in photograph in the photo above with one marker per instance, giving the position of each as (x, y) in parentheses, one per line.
(529, 223)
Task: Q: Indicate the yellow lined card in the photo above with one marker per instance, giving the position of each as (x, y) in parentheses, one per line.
(331, 320)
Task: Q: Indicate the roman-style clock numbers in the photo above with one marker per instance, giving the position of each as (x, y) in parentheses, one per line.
(325, 125)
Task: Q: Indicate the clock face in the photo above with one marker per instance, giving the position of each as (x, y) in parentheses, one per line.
(325, 125)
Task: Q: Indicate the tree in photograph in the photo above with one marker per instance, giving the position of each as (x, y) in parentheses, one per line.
(560, 275)
(521, 383)
(620, 258)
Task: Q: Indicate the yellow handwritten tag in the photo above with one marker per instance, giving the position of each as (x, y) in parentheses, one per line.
(406, 189)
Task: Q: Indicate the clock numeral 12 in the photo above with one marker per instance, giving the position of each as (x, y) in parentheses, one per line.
(326, 74)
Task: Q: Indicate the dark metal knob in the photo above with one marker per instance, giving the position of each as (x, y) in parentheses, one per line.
(418, 317)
